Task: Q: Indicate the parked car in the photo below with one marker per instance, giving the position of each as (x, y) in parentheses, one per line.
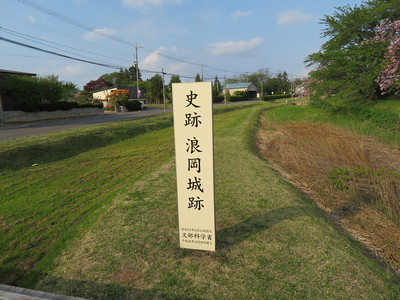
(144, 105)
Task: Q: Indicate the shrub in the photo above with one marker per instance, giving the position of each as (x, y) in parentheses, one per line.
(61, 105)
(118, 96)
(95, 104)
(35, 93)
(238, 98)
(241, 94)
(274, 97)
(218, 99)
(33, 90)
(132, 105)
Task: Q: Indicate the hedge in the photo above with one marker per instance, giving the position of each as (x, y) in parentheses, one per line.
(61, 105)
(274, 97)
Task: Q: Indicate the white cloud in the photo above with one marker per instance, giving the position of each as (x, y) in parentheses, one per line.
(158, 57)
(294, 16)
(98, 34)
(143, 3)
(157, 60)
(153, 58)
(241, 14)
(233, 47)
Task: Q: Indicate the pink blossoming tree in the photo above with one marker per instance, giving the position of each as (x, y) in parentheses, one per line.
(389, 32)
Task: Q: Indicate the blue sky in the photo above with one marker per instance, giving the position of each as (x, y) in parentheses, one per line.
(185, 37)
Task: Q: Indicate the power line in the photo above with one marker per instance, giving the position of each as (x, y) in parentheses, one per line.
(33, 39)
(84, 60)
(89, 62)
(91, 29)
(62, 35)
(188, 62)
(58, 54)
(71, 21)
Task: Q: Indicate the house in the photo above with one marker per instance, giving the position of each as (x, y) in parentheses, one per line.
(249, 87)
(102, 94)
(4, 73)
(5, 102)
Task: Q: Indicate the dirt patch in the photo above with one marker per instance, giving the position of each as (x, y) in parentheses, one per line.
(354, 178)
(126, 274)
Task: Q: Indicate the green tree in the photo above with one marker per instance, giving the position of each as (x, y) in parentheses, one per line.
(197, 78)
(156, 89)
(110, 77)
(271, 86)
(350, 60)
(132, 73)
(83, 97)
(258, 78)
(173, 79)
(261, 76)
(217, 87)
(124, 77)
(26, 91)
(69, 90)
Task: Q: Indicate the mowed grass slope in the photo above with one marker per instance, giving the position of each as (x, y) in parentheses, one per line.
(273, 241)
(53, 185)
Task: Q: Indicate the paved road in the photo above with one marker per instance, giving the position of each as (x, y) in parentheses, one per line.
(8, 292)
(14, 131)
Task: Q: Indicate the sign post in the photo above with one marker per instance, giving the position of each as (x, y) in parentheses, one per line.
(193, 128)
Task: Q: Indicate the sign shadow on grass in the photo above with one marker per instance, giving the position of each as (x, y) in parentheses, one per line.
(235, 234)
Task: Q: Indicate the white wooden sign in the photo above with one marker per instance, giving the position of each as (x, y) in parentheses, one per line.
(194, 150)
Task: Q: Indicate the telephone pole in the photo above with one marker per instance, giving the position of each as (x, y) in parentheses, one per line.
(225, 91)
(137, 70)
(163, 89)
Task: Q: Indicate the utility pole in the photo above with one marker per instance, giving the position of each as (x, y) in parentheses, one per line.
(202, 73)
(137, 71)
(163, 89)
(291, 86)
(225, 90)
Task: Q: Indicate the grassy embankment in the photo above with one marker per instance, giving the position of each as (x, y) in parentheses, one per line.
(53, 185)
(106, 216)
(353, 177)
(380, 119)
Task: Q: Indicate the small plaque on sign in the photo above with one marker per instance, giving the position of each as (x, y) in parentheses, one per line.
(193, 128)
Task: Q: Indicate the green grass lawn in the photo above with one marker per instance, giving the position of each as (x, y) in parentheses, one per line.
(102, 223)
(44, 206)
(380, 118)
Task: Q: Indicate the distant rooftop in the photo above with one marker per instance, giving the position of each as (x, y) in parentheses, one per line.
(239, 85)
(10, 72)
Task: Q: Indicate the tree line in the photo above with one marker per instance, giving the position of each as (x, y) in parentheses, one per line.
(153, 89)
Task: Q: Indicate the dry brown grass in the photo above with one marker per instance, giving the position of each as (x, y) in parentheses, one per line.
(354, 178)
